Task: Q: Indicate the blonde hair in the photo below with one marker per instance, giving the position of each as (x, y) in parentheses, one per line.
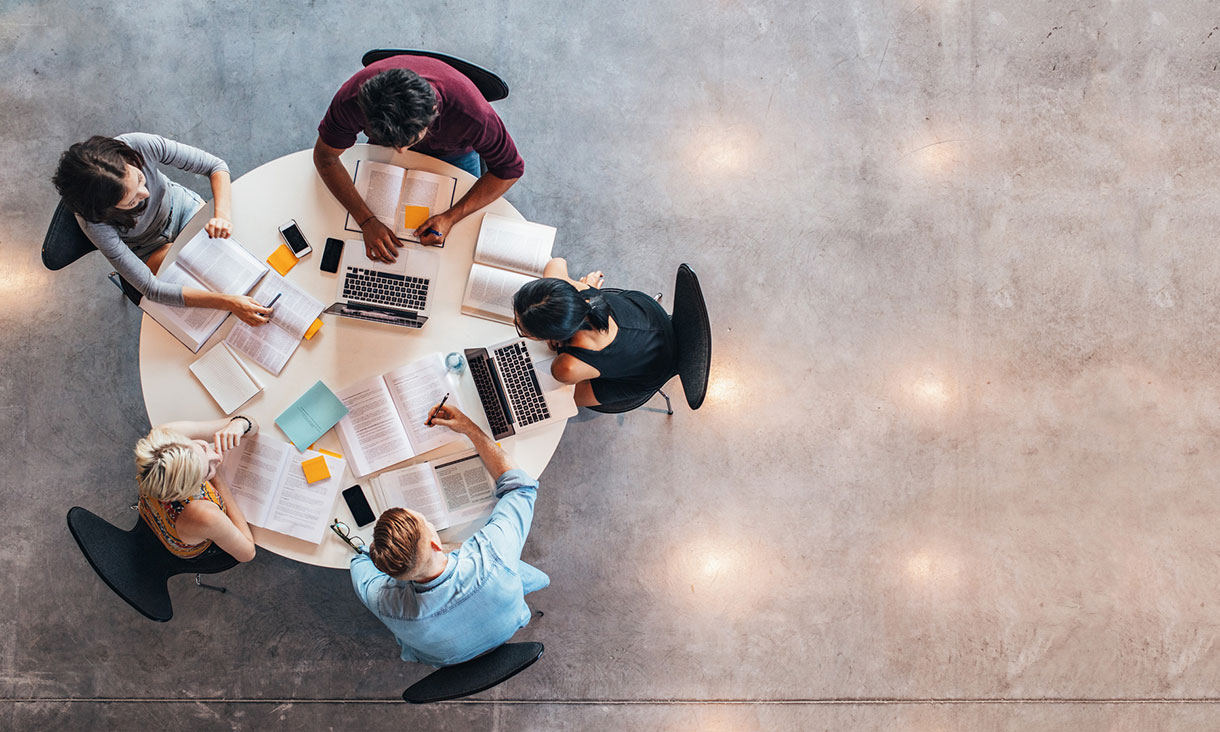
(396, 539)
(167, 466)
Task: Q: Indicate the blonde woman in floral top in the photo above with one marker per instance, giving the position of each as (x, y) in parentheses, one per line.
(181, 497)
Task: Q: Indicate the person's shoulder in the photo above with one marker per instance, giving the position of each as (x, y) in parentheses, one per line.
(200, 512)
(141, 141)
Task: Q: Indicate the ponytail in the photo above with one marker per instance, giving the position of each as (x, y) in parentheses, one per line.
(597, 316)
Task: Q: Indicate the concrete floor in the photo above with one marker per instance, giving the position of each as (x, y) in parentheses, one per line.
(956, 470)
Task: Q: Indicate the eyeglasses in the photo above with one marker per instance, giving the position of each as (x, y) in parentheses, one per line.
(345, 533)
(520, 332)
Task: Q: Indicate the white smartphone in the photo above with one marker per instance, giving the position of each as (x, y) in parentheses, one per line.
(292, 236)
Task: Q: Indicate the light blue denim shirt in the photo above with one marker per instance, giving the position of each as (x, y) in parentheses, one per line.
(478, 602)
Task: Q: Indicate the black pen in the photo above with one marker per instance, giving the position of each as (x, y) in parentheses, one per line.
(438, 408)
(277, 297)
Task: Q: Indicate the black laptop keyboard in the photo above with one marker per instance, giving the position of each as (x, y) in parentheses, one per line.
(521, 383)
(480, 371)
(384, 288)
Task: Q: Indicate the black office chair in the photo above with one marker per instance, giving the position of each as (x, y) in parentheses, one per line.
(65, 243)
(136, 565)
(477, 674)
(693, 333)
(491, 86)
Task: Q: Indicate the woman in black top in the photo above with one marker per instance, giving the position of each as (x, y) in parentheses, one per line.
(614, 345)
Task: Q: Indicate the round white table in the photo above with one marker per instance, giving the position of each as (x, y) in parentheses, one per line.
(344, 350)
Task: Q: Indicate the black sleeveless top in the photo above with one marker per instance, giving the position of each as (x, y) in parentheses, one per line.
(642, 356)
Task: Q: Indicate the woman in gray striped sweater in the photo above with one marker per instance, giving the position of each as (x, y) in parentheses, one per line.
(132, 212)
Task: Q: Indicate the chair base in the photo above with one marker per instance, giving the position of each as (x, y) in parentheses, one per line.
(199, 583)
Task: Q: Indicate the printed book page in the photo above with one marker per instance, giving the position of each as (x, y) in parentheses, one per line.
(521, 246)
(416, 388)
(372, 433)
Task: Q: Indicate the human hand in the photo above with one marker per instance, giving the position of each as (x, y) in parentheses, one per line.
(453, 418)
(594, 279)
(248, 309)
(230, 437)
(380, 244)
(219, 227)
(432, 232)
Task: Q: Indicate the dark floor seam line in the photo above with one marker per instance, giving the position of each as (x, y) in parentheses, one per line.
(628, 702)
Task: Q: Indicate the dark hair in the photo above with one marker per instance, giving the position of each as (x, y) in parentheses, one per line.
(395, 548)
(398, 105)
(90, 179)
(554, 310)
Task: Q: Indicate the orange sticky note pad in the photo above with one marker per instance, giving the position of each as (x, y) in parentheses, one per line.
(315, 469)
(328, 452)
(282, 260)
(313, 329)
(413, 216)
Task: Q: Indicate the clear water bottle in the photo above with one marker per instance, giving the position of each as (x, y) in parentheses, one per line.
(455, 362)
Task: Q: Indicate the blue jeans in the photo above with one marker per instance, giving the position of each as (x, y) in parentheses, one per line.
(467, 161)
(183, 204)
(532, 578)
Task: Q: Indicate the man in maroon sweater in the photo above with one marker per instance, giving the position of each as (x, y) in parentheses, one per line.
(424, 104)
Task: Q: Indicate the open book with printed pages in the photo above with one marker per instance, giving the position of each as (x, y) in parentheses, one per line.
(402, 199)
(218, 265)
(269, 485)
(509, 253)
(271, 344)
(447, 492)
(386, 415)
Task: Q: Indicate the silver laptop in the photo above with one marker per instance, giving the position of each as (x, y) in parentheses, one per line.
(517, 392)
(398, 294)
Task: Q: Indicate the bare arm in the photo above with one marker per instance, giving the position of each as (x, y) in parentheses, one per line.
(380, 243)
(226, 433)
(558, 268)
(484, 191)
(228, 529)
(494, 458)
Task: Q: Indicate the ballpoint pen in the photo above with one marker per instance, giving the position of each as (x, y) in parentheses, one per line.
(438, 408)
(277, 297)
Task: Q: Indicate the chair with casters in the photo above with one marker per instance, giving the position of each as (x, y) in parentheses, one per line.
(491, 86)
(693, 333)
(65, 243)
(471, 677)
(136, 566)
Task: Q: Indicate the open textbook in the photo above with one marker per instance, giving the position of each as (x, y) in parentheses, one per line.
(402, 199)
(385, 421)
(509, 254)
(269, 485)
(225, 377)
(271, 344)
(447, 492)
(218, 265)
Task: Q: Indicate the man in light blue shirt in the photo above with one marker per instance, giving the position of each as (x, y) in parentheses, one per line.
(445, 608)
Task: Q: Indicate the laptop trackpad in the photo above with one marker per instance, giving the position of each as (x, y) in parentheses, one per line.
(546, 382)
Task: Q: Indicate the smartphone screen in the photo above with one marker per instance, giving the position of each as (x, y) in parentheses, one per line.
(359, 506)
(331, 255)
(294, 238)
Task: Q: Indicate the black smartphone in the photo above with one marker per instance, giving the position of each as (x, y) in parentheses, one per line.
(359, 506)
(331, 255)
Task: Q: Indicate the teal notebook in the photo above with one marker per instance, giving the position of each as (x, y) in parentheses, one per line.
(310, 416)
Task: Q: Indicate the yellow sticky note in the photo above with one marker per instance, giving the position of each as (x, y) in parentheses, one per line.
(328, 452)
(313, 329)
(413, 216)
(315, 469)
(282, 260)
